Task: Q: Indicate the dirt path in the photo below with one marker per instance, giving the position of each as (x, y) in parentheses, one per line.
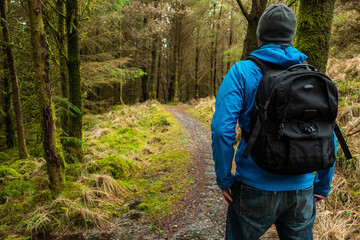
(203, 214)
(203, 211)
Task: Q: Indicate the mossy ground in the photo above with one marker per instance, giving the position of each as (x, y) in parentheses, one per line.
(130, 152)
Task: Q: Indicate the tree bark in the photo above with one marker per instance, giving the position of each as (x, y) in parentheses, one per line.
(251, 41)
(212, 47)
(216, 50)
(154, 65)
(64, 80)
(228, 65)
(314, 31)
(197, 58)
(75, 97)
(158, 79)
(9, 125)
(176, 90)
(15, 86)
(41, 62)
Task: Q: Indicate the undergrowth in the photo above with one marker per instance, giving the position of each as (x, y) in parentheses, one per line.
(131, 152)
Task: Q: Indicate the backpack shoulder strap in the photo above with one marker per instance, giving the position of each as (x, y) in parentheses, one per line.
(342, 142)
(262, 65)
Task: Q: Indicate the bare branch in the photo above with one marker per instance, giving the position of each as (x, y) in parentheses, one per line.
(246, 14)
(292, 3)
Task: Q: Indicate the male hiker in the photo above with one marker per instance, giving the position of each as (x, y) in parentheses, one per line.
(257, 198)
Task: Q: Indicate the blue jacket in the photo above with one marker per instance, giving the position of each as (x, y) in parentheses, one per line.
(234, 101)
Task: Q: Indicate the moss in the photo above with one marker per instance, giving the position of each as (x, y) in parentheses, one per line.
(72, 190)
(124, 140)
(118, 167)
(73, 171)
(25, 166)
(6, 171)
(16, 189)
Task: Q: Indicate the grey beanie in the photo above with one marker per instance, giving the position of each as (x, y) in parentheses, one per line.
(277, 24)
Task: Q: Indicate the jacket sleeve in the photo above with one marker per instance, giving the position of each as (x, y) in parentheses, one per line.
(323, 178)
(227, 111)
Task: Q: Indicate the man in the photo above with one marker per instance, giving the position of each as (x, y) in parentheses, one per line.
(257, 198)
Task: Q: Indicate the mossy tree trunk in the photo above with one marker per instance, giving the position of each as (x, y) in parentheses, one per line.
(251, 41)
(64, 81)
(75, 148)
(41, 62)
(15, 86)
(314, 30)
(9, 125)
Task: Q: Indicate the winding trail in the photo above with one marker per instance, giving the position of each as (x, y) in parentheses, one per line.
(203, 211)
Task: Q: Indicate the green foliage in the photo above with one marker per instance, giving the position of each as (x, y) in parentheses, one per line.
(118, 4)
(16, 189)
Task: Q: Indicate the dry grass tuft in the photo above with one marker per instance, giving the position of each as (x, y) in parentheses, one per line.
(334, 224)
(109, 185)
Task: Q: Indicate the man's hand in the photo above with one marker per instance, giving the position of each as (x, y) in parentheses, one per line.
(227, 195)
(318, 198)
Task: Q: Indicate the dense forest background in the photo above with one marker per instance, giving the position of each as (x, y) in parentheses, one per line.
(65, 63)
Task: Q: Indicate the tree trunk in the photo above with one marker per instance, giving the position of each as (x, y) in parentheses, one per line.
(9, 125)
(230, 37)
(158, 79)
(154, 65)
(197, 58)
(144, 79)
(212, 47)
(314, 31)
(41, 62)
(15, 86)
(251, 41)
(75, 119)
(64, 80)
(216, 50)
(177, 61)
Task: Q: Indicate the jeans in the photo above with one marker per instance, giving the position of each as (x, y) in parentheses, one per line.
(253, 211)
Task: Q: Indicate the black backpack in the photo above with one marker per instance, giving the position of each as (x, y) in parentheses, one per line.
(293, 119)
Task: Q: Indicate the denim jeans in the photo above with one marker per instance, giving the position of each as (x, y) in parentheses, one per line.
(253, 211)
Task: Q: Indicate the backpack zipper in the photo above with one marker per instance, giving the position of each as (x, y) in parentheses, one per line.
(277, 83)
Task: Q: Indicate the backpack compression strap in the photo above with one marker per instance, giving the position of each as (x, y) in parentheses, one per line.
(251, 138)
(342, 142)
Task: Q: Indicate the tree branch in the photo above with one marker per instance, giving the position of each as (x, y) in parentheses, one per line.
(292, 3)
(246, 14)
(358, 131)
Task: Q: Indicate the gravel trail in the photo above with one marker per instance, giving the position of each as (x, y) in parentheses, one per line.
(203, 212)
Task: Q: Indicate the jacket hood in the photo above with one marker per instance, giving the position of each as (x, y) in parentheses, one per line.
(281, 55)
